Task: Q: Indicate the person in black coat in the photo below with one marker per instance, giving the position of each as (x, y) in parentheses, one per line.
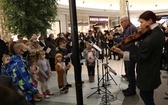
(148, 57)
(66, 54)
(50, 43)
(90, 38)
(3, 50)
(42, 43)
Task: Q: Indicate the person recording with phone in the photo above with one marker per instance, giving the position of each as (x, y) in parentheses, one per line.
(148, 56)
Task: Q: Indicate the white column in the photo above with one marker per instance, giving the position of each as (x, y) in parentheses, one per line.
(123, 7)
(109, 25)
(63, 22)
(61, 25)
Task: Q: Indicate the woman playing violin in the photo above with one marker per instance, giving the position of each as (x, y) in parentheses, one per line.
(148, 57)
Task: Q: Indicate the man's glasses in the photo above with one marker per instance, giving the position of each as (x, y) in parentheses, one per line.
(122, 21)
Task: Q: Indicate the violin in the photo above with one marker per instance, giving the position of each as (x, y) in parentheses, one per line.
(135, 37)
(132, 38)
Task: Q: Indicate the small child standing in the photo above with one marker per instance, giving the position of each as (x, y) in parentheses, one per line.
(34, 70)
(89, 54)
(5, 60)
(44, 73)
(61, 71)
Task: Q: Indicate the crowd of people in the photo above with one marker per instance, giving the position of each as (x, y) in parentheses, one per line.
(29, 62)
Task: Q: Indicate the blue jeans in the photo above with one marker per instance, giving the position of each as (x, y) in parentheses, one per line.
(130, 68)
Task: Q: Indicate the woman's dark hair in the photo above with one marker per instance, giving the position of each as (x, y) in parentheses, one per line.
(149, 15)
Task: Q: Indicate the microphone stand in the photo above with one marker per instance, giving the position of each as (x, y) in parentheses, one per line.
(107, 97)
(167, 96)
(107, 74)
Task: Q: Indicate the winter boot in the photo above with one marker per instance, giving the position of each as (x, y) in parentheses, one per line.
(90, 79)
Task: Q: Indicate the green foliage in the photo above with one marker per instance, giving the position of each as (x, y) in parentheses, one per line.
(28, 17)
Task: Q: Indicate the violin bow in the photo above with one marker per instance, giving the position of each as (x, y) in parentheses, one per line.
(128, 13)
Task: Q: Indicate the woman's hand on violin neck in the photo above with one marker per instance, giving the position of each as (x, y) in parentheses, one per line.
(117, 50)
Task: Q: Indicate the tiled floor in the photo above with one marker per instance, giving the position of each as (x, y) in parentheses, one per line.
(95, 99)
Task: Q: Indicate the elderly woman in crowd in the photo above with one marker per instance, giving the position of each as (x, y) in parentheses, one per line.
(34, 47)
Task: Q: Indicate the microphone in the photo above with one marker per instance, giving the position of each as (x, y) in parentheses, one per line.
(116, 26)
(110, 69)
(113, 71)
(95, 46)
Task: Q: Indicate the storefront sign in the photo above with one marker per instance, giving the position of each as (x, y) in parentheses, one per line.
(98, 20)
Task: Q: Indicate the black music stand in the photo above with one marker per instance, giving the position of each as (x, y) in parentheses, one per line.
(167, 96)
